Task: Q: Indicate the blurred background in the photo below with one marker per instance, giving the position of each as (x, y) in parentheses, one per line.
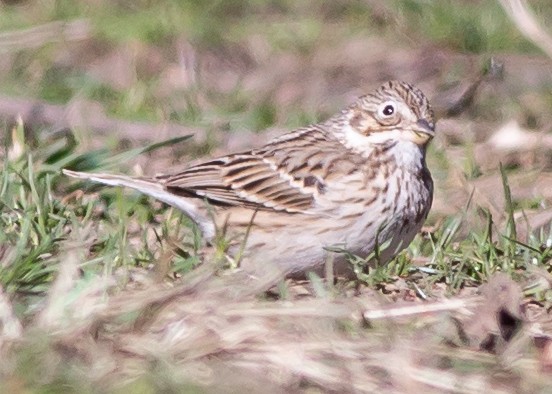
(86, 273)
(234, 73)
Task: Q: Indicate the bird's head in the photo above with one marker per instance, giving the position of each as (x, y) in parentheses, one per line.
(395, 112)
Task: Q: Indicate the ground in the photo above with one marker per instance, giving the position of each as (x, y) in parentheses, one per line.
(103, 290)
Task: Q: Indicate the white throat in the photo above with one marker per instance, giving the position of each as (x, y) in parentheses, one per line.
(406, 152)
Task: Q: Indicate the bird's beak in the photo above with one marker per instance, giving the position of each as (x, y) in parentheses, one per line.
(423, 132)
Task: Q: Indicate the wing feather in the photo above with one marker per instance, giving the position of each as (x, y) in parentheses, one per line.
(270, 178)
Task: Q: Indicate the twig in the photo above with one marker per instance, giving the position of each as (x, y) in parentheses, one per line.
(36, 113)
(527, 24)
(38, 36)
(410, 310)
(11, 327)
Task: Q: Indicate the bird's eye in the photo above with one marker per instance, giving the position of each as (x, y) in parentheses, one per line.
(387, 109)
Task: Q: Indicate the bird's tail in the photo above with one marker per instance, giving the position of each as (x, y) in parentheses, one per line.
(191, 207)
(142, 185)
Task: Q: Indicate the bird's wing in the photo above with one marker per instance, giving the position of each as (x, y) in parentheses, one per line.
(285, 175)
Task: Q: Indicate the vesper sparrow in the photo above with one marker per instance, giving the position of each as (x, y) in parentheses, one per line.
(355, 181)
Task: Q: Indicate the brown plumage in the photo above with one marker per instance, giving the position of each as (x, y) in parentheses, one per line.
(358, 176)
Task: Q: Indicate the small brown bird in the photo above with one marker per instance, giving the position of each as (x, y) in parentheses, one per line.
(355, 181)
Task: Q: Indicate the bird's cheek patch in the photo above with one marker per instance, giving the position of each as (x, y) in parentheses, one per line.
(377, 129)
(363, 124)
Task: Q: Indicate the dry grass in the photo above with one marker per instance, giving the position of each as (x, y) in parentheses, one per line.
(100, 291)
(195, 335)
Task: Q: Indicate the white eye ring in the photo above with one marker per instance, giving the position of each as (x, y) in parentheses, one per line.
(387, 109)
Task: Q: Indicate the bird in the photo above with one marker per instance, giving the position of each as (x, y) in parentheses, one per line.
(355, 184)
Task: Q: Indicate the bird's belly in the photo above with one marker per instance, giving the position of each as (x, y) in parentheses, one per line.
(390, 227)
(298, 243)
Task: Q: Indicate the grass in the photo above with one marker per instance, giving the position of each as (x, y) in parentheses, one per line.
(103, 290)
(229, 24)
(112, 236)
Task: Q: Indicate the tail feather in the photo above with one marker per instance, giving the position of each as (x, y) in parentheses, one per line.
(156, 190)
